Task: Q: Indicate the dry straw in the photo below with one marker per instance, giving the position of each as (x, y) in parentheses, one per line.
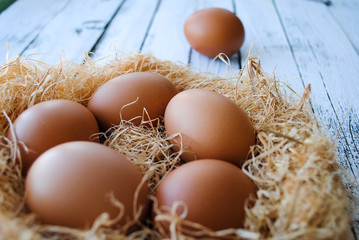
(293, 164)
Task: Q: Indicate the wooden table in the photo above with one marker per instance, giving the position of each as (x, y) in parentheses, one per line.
(302, 42)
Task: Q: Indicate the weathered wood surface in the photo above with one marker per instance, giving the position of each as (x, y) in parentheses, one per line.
(21, 23)
(302, 42)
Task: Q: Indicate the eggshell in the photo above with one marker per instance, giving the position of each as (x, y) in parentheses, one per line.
(70, 184)
(212, 31)
(110, 103)
(211, 125)
(213, 191)
(50, 123)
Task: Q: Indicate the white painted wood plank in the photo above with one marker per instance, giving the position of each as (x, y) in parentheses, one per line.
(263, 28)
(306, 25)
(21, 22)
(327, 61)
(128, 29)
(73, 31)
(205, 63)
(166, 39)
(347, 15)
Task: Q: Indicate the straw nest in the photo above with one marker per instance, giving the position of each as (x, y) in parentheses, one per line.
(293, 164)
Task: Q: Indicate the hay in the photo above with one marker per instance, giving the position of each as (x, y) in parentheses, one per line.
(293, 164)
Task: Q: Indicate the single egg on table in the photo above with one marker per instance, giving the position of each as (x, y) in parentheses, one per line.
(125, 97)
(213, 192)
(50, 123)
(70, 185)
(210, 126)
(212, 31)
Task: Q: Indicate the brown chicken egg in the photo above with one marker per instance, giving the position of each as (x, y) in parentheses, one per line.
(50, 123)
(211, 126)
(71, 184)
(212, 31)
(125, 97)
(213, 191)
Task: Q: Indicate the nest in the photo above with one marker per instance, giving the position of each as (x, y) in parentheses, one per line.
(293, 164)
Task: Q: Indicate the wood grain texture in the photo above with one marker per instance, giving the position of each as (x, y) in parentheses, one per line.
(321, 60)
(128, 29)
(346, 13)
(265, 32)
(74, 31)
(23, 21)
(166, 39)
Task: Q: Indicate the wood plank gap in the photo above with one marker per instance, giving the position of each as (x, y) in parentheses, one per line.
(189, 56)
(345, 14)
(323, 82)
(346, 150)
(239, 51)
(290, 46)
(351, 133)
(93, 49)
(150, 24)
(344, 31)
(165, 39)
(240, 59)
(191, 49)
(37, 35)
(292, 52)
